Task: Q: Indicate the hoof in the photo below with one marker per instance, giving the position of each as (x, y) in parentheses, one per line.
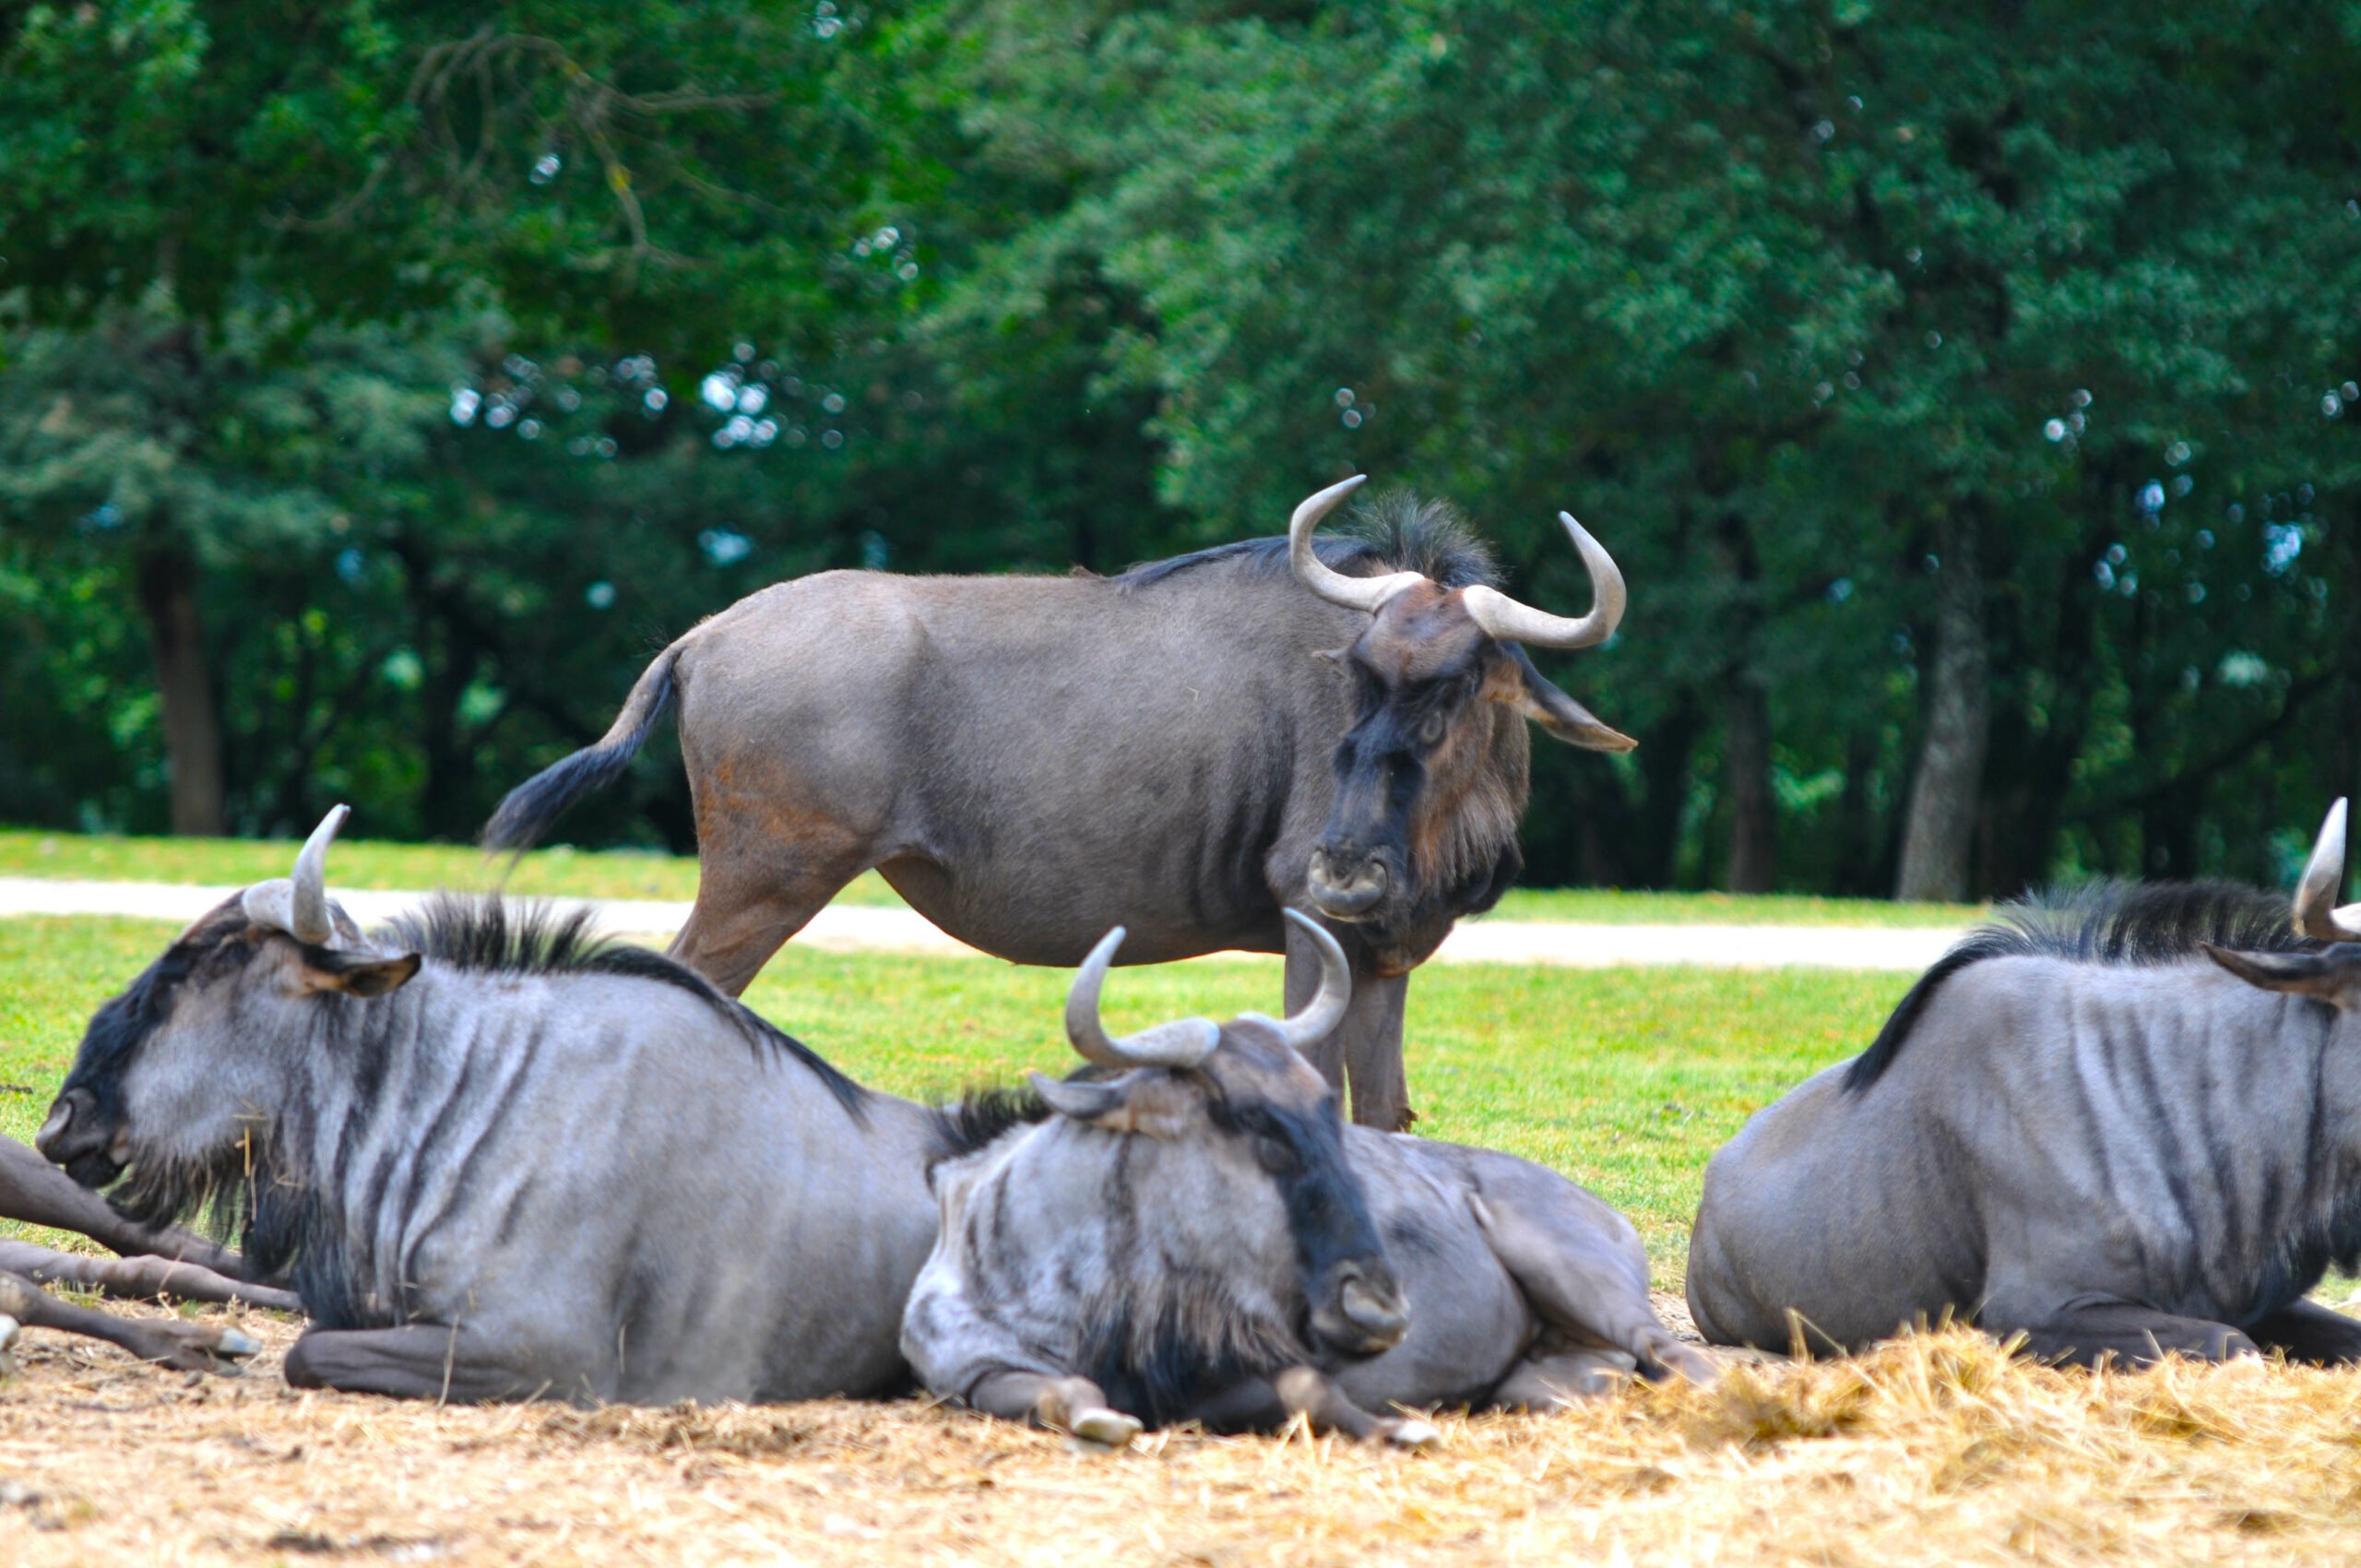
(1108, 1428)
(235, 1342)
(1412, 1433)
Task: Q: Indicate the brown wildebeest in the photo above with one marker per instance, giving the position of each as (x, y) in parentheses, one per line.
(1186, 750)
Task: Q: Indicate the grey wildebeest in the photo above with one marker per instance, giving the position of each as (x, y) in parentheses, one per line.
(1031, 760)
(502, 1160)
(1186, 1231)
(2125, 1124)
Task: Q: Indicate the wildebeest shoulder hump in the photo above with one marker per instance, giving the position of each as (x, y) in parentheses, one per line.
(2114, 924)
(1392, 532)
(495, 936)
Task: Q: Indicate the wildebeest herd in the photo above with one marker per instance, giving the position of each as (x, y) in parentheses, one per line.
(491, 1157)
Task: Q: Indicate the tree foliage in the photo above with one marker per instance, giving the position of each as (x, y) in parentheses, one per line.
(1963, 390)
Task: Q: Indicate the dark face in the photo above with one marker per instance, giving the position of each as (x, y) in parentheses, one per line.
(88, 1129)
(1273, 1109)
(176, 1077)
(1431, 778)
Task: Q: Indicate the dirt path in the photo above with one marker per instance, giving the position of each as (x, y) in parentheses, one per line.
(867, 929)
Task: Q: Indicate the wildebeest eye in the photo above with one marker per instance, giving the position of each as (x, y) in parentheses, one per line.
(1431, 729)
(1274, 1156)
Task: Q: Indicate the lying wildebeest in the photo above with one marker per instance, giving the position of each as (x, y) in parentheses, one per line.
(2123, 1126)
(1191, 1234)
(504, 1161)
(166, 1264)
(1031, 760)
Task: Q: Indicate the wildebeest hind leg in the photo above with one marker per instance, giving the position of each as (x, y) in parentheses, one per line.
(2092, 1328)
(746, 908)
(189, 1346)
(2309, 1332)
(1075, 1405)
(1307, 1392)
(1550, 1380)
(419, 1361)
(1582, 1280)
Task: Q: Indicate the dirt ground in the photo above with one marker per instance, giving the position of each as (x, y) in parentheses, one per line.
(1935, 1450)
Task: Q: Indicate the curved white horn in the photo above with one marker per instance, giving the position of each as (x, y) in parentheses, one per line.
(1184, 1042)
(299, 905)
(2316, 913)
(1353, 593)
(1317, 1018)
(1504, 620)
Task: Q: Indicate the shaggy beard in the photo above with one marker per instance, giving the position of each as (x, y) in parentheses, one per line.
(222, 1185)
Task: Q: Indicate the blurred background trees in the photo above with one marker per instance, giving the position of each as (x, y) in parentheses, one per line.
(1964, 390)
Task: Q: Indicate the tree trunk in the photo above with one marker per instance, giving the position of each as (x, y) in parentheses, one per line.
(1746, 768)
(192, 727)
(1940, 829)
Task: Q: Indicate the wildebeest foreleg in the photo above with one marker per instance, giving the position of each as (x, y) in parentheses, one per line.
(34, 1190)
(189, 1346)
(2090, 1329)
(2309, 1332)
(1366, 1048)
(1583, 1281)
(1075, 1405)
(418, 1361)
(144, 1277)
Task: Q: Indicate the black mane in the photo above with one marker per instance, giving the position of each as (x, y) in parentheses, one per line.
(2113, 924)
(1391, 532)
(489, 934)
(977, 1118)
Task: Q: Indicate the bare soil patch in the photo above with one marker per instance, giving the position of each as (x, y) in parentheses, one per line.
(1935, 1449)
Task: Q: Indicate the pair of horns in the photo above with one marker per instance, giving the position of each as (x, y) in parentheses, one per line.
(2316, 912)
(1501, 617)
(1185, 1042)
(298, 904)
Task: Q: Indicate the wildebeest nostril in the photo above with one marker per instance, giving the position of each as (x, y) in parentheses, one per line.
(1376, 1311)
(1342, 896)
(56, 1139)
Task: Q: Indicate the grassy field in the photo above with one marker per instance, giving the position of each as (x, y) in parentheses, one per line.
(615, 874)
(1938, 1449)
(1627, 1079)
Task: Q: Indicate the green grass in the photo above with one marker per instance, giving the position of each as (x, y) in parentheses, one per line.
(1608, 906)
(621, 875)
(1625, 1079)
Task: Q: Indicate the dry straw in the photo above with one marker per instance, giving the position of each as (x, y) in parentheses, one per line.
(1938, 1449)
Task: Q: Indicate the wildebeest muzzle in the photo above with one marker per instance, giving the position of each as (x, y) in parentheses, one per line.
(1360, 1311)
(77, 1137)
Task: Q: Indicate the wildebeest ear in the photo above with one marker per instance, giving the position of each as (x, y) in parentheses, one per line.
(1149, 1101)
(356, 974)
(2333, 976)
(1514, 681)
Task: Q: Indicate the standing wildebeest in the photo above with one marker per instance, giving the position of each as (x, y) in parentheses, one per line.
(505, 1160)
(1197, 1237)
(1032, 760)
(2125, 1125)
